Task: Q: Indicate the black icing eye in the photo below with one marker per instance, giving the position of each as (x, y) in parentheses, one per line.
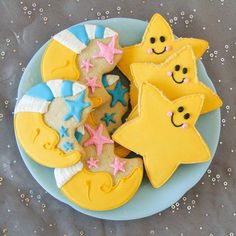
(186, 116)
(180, 109)
(185, 70)
(177, 67)
(152, 40)
(162, 39)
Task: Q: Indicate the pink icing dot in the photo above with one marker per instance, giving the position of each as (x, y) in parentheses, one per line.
(184, 126)
(186, 80)
(169, 73)
(169, 113)
(149, 51)
(168, 48)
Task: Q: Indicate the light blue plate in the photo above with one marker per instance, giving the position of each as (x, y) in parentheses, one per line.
(148, 200)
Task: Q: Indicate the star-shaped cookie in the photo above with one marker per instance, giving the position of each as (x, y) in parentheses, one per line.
(157, 44)
(176, 77)
(164, 133)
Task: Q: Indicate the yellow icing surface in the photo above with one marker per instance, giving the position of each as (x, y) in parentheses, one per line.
(152, 134)
(157, 75)
(59, 62)
(95, 191)
(40, 141)
(156, 28)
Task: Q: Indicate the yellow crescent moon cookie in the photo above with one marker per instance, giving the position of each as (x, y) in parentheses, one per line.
(164, 133)
(84, 53)
(101, 180)
(39, 140)
(176, 77)
(157, 44)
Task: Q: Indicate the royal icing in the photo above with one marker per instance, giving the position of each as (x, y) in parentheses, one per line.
(158, 126)
(63, 175)
(76, 107)
(96, 138)
(117, 94)
(92, 83)
(118, 166)
(108, 51)
(92, 163)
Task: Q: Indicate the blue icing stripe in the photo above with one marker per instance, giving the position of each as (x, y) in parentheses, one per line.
(78, 136)
(66, 88)
(41, 91)
(80, 32)
(104, 81)
(99, 33)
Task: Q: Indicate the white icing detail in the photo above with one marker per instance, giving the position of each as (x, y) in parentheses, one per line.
(55, 86)
(31, 104)
(81, 129)
(77, 88)
(109, 33)
(70, 41)
(90, 29)
(111, 79)
(63, 175)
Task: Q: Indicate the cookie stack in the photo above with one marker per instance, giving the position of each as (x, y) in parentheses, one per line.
(72, 121)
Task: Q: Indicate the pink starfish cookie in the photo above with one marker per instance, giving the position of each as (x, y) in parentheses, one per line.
(118, 165)
(92, 163)
(108, 51)
(96, 138)
(92, 83)
(86, 64)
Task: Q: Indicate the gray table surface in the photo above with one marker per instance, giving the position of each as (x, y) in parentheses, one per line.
(208, 209)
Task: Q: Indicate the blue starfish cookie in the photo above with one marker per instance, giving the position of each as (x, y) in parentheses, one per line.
(76, 107)
(107, 118)
(117, 94)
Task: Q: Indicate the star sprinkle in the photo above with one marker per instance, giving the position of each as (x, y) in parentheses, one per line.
(157, 45)
(118, 94)
(156, 132)
(76, 107)
(96, 138)
(107, 118)
(92, 83)
(118, 165)
(171, 78)
(68, 146)
(108, 51)
(63, 132)
(86, 64)
(92, 163)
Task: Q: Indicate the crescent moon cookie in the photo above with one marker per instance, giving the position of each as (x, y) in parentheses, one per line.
(47, 119)
(158, 44)
(164, 133)
(84, 53)
(176, 77)
(101, 180)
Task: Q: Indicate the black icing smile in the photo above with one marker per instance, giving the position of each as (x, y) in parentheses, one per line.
(158, 53)
(177, 82)
(172, 121)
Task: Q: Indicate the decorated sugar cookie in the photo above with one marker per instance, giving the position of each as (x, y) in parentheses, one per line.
(83, 53)
(101, 180)
(48, 120)
(176, 77)
(164, 133)
(158, 44)
(112, 112)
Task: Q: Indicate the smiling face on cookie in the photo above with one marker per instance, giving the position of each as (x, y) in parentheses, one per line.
(176, 77)
(183, 113)
(157, 45)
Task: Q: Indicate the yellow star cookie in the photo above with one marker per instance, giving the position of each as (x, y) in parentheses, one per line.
(176, 77)
(164, 133)
(158, 43)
